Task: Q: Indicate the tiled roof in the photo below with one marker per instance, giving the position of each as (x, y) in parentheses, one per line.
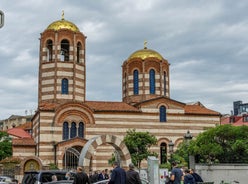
(18, 132)
(26, 126)
(23, 142)
(199, 109)
(111, 106)
(238, 121)
(47, 106)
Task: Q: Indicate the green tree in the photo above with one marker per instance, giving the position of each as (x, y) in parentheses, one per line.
(138, 144)
(5, 145)
(222, 144)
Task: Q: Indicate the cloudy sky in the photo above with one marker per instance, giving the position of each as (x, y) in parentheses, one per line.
(206, 43)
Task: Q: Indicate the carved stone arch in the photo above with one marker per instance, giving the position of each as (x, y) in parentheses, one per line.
(31, 159)
(74, 109)
(90, 147)
(162, 104)
(163, 140)
(178, 141)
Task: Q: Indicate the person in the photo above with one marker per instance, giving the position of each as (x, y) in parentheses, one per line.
(118, 175)
(176, 174)
(81, 177)
(196, 176)
(188, 178)
(106, 174)
(101, 176)
(132, 175)
(54, 178)
(68, 176)
(94, 177)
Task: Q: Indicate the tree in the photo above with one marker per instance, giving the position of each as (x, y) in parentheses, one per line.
(5, 145)
(222, 144)
(138, 144)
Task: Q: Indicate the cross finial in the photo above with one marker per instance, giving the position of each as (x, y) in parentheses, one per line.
(63, 15)
(145, 44)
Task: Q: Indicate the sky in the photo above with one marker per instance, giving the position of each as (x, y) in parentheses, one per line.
(205, 42)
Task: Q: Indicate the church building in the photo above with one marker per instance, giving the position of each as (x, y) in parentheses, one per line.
(68, 130)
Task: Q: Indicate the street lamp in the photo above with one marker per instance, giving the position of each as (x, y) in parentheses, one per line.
(171, 146)
(188, 137)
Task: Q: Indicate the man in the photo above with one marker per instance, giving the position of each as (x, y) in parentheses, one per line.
(176, 174)
(118, 175)
(81, 177)
(132, 175)
(101, 176)
(196, 176)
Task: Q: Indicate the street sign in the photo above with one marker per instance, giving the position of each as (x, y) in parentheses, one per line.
(1, 19)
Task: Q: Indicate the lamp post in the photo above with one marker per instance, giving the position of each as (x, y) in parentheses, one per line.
(188, 137)
(171, 146)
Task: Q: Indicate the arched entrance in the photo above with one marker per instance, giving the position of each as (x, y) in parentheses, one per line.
(89, 148)
(71, 158)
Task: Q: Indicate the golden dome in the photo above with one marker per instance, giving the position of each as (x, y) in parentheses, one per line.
(63, 24)
(145, 53)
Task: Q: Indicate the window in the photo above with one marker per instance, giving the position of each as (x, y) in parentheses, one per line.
(79, 47)
(81, 130)
(64, 86)
(65, 131)
(73, 130)
(136, 82)
(162, 114)
(163, 150)
(152, 81)
(64, 54)
(164, 83)
(245, 118)
(49, 46)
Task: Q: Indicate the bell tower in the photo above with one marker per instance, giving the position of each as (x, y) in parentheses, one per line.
(61, 63)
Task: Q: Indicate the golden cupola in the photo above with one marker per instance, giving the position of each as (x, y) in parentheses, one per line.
(145, 75)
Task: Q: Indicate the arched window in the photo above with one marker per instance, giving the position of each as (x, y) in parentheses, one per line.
(49, 46)
(73, 130)
(65, 48)
(81, 130)
(165, 84)
(136, 82)
(152, 81)
(79, 47)
(64, 86)
(65, 131)
(162, 114)
(163, 151)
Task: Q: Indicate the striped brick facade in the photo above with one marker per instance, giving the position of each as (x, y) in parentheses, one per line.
(106, 123)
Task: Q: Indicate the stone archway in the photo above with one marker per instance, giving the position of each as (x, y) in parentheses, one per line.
(89, 148)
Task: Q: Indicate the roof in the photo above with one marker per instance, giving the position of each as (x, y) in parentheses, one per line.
(18, 132)
(111, 106)
(236, 121)
(26, 126)
(199, 109)
(145, 53)
(23, 142)
(63, 24)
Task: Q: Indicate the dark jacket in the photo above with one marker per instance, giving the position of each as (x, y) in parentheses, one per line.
(197, 177)
(189, 179)
(133, 177)
(81, 178)
(118, 176)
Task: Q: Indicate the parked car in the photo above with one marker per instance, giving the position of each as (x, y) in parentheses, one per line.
(143, 181)
(60, 182)
(7, 180)
(40, 177)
